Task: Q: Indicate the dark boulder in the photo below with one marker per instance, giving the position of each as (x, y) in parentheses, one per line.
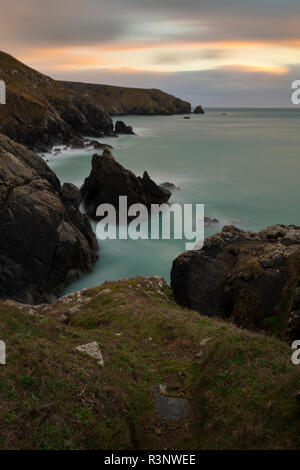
(198, 110)
(121, 128)
(45, 241)
(245, 276)
(108, 180)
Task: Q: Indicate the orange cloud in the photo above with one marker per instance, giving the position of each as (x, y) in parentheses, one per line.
(252, 69)
(248, 56)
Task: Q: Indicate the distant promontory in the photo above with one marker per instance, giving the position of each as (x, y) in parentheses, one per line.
(118, 101)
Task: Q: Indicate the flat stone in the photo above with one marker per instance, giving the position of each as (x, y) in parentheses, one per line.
(105, 292)
(93, 350)
(174, 409)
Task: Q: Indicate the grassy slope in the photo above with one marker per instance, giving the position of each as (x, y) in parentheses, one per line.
(27, 89)
(51, 397)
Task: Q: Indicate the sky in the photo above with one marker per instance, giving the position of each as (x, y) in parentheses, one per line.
(210, 52)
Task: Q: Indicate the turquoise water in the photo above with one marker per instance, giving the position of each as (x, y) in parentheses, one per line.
(244, 166)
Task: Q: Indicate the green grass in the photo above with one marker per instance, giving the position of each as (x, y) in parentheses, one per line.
(241, 390)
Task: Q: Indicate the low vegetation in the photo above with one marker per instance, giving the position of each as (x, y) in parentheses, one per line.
(240, 385)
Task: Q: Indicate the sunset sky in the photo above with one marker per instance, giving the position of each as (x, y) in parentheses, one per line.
(214, 52)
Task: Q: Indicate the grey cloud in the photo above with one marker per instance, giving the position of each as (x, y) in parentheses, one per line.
(42, 22)
(181, 58)
(227, 86)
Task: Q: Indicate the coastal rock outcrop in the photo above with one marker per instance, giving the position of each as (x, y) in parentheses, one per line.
(122, 128)
(199, 110)
(45, 241)
(246, 276)
(108, 180)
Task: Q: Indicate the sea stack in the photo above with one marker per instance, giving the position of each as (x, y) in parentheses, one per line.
(199, 110)
(108, 180)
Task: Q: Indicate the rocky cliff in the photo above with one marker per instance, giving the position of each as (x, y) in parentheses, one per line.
(121, 100)
(251, 278)
(41, 112)
(45, 241)
(108, 180)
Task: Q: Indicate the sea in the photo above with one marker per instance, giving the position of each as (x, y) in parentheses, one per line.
(242, 164)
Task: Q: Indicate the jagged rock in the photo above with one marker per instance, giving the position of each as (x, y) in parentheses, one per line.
(121, 128)
(108, 180)
(246, 276)
(198, 110)
(208, 222)
(93, 350)
(45, 241)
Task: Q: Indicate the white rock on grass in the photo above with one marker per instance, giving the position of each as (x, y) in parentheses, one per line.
(105, 292)
(93, 350)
